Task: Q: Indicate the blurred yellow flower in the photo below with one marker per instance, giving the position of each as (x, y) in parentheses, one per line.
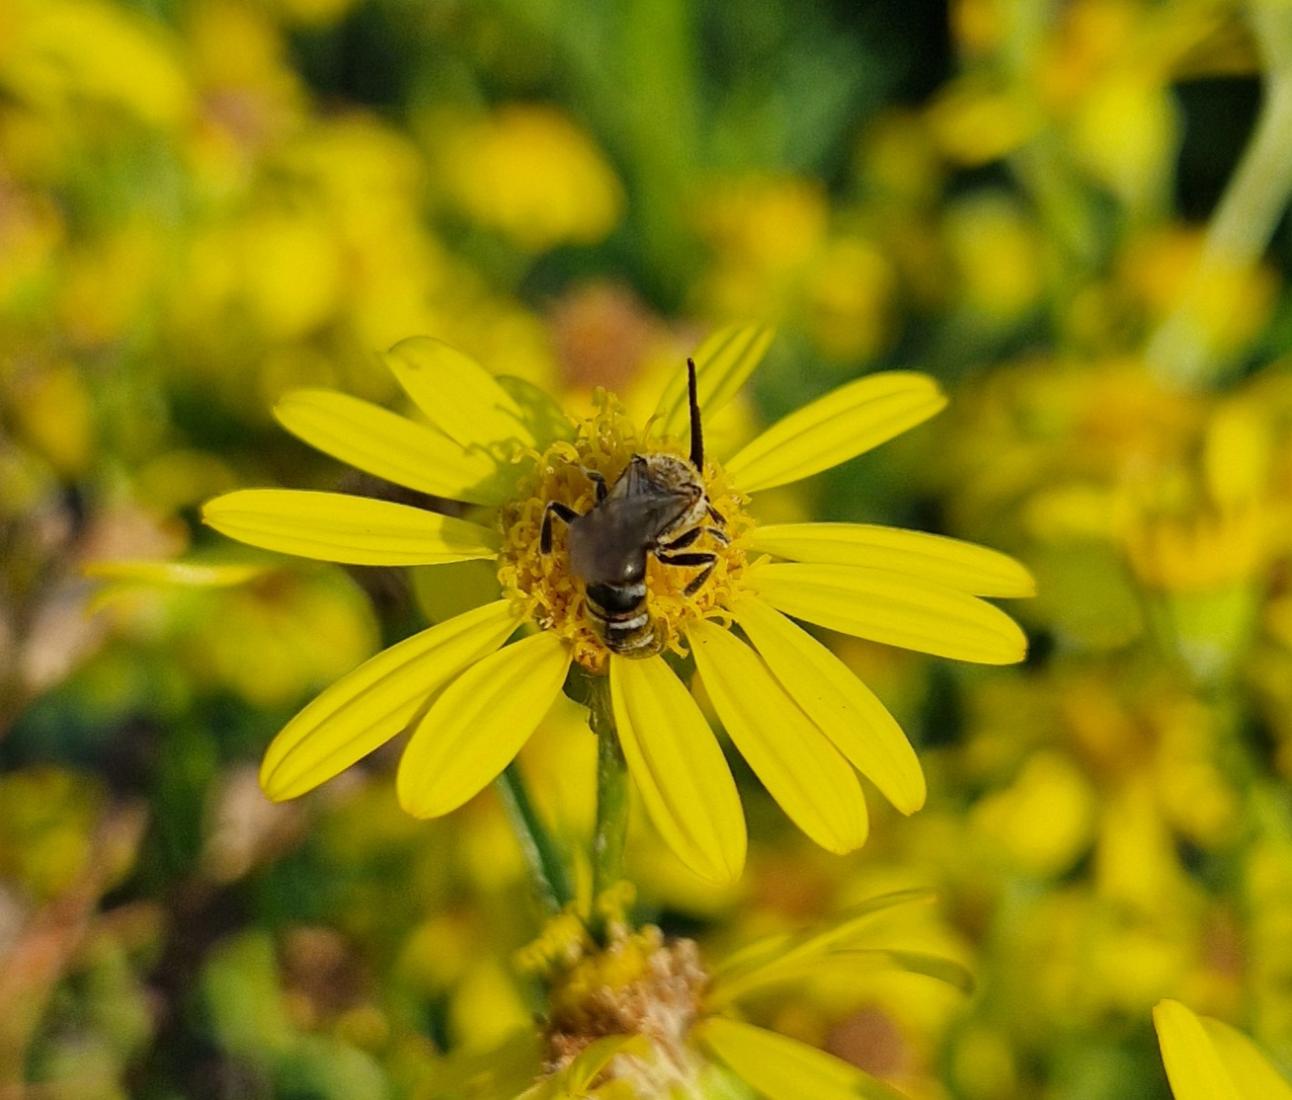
(62, 54)
(613, 594)
(775, 255)
(531, 173)
(996, 252)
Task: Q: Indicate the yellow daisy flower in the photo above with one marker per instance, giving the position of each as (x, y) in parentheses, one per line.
(615, 549)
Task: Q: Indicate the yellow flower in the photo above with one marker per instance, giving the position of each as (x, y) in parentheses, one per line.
(1208, 1060)
(529, 172)
(644, 1016)
(793, 709)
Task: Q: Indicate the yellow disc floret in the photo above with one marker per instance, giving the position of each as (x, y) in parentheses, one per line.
(544, 584)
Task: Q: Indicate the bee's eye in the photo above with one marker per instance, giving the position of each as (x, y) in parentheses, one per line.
(634, 571)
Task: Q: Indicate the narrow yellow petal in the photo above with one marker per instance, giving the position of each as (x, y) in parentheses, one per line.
(388, 445)
(545, 419)
(1208, 1060)
(349, 529)
(723, 363)
(842, 706)
(1251, 1072)
(894, 610)
(947, 562)
(185, 574)
(781, 1068)
(1192, 1065)
(856, 962)
(812, 783)
(458, 395)
(839, 426)
(580, 1073)
(678, 767)
(846, 929)
(479, 722)
(368, 706)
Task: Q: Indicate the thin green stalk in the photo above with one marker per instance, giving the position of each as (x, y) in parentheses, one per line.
(612, 792)
(541, 852)
(1249, 211)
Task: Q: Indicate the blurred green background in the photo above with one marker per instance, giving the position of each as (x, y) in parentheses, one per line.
(204, 203)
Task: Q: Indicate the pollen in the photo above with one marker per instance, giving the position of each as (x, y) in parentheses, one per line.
(545, 587)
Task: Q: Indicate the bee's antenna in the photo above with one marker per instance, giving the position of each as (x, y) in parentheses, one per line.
(697, 433)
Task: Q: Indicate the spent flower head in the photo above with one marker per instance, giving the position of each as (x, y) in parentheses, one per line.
(619, 549)
(643, 1014)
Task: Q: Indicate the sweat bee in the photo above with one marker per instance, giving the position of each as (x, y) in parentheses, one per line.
(658, 506)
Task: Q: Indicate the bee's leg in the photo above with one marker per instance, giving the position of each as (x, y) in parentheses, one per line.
(598, 479)
(697, 582)
(685, 540)
(561, 511)
(717, 516)
(703, 558)
(682, 541)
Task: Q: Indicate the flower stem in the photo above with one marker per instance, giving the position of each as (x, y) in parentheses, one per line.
(541, 852)
(612, 792)
(1248, 213)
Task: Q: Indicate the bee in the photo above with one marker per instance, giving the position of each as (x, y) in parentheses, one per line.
(656, 506)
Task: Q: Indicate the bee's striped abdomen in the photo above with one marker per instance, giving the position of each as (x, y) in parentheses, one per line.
(620, 612)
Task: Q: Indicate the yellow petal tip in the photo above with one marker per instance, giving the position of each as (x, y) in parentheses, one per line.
(413, 802)
(272, 785)
(913, 804)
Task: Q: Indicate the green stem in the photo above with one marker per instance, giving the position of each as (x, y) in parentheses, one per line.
(1241, 227)
(541, 852)
(612, 792)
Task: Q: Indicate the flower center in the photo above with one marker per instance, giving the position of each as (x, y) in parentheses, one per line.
(640, 984)
(636, 616)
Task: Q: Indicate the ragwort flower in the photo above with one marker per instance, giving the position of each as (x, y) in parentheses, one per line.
(646, 1015)
(688, 571)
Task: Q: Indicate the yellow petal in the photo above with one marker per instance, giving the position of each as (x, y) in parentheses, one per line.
(384, 444)
(479, 722)
(842, 424)
(781, 1068)
(457, 394)
(889, 608)
(349, 529)
(678, 767)
(812, 783)
(853, 962)
(842, 706)
(1251, 1072)
(186, 574)
(1207, 1060)
(752, 963)
(545, 419)
(580, 1073)
(722, 365)
(367, 707)
(947, 562)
